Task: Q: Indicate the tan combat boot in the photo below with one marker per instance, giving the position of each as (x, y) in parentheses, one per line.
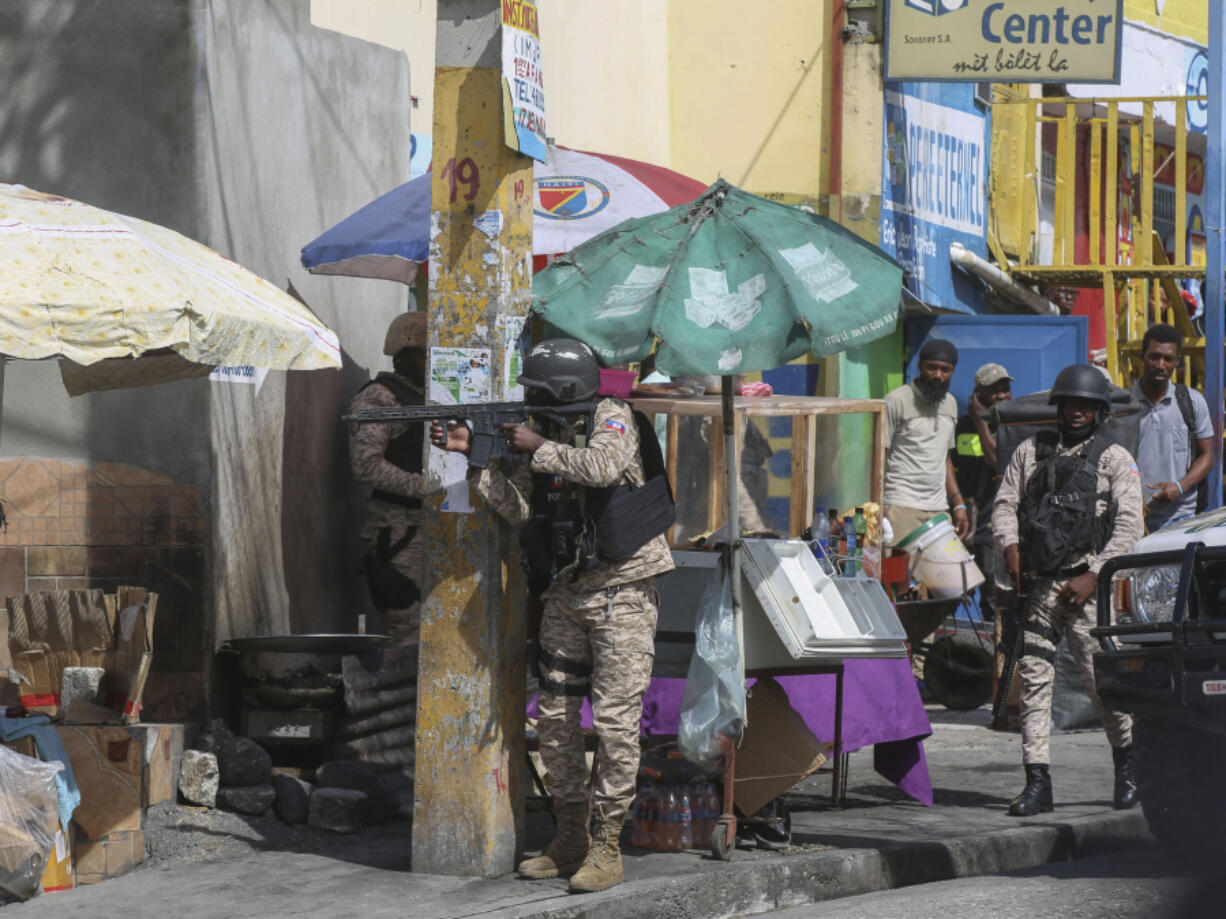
(569, 848)
(603, 866)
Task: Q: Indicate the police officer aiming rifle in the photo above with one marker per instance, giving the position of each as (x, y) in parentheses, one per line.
(590, 489)
(1069, 501)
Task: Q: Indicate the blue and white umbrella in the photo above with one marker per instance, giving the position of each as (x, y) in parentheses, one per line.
(576, 196)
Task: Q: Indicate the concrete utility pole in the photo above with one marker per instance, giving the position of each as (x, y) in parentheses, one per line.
(468, 799)
(1215, 242)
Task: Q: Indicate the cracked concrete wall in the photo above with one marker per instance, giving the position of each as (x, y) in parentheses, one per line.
(299, 127)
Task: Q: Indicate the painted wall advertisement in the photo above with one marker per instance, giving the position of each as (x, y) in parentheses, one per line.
(523, 88)
(933, 188)
(1025, 41)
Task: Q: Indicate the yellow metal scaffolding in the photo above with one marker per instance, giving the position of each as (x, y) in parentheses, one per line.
(1132, 273)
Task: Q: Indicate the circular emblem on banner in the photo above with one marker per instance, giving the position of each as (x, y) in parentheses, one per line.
(1197, 84)
(569, 197)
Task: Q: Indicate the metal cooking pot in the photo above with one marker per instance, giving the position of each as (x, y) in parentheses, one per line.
(297, 671)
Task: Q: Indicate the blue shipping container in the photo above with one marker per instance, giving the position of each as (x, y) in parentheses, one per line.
(1032, 348)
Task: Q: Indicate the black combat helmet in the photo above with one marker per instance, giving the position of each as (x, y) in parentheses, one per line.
(564, 368)
(1081, 381)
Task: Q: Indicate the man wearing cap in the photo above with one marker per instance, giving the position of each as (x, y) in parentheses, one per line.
(387, 457)
(920, 418)
(975, 465)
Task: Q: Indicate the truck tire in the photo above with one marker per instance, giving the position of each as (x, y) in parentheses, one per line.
(1177, 781)
(958, 671)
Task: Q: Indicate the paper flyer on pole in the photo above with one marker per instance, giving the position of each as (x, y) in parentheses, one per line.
(512, 358)
(523, 89)
(458, 376)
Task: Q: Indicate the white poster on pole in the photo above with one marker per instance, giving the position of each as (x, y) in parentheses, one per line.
(458, 376)
(523, 88)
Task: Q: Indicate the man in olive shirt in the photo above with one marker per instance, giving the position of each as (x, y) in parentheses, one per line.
(975, 464)
(920, 418)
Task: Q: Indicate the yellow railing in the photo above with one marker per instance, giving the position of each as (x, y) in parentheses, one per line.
(1130, 272)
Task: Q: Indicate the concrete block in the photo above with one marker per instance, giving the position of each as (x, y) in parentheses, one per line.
(336, 809)
(81, 683)
(163, 757)
(249, 799)
(382, 801)
(113, 855)
(293, 802)
(199, 778)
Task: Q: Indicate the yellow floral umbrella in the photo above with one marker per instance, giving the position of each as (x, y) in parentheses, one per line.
(98, 289)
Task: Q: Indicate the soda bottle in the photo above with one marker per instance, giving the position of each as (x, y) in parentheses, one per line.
(685, 836)
(655, 823)
(671, 837)
(849, 553)
(641, 835)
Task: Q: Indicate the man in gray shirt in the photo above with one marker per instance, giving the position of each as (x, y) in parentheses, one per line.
(1173, 456)
(920, 417)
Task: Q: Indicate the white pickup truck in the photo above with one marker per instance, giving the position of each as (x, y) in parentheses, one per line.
(1162, 627)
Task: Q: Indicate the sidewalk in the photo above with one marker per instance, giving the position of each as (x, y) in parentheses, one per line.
(880, 839)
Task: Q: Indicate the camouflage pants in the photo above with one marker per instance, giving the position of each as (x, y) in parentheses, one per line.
(613, 633)
(1048, 617)
(403, 625)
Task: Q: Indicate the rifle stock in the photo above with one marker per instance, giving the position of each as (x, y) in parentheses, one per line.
(485, 421)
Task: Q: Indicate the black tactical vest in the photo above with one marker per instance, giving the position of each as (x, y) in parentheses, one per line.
(574, 527)
(1059, 518)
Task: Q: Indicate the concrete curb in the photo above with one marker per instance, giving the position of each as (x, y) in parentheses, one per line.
(758, 885)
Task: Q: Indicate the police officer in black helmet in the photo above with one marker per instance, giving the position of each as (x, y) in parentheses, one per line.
(589, 463)
(1069, 501)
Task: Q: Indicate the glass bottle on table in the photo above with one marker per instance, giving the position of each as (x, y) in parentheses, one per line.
(860, 522)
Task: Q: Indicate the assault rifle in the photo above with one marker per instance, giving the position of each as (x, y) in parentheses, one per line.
(485, 420)
(1020, 613)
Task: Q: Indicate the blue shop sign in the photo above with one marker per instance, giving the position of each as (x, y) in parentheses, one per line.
(934, 188)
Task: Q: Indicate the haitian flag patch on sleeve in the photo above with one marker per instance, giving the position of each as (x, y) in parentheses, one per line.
(615, 425)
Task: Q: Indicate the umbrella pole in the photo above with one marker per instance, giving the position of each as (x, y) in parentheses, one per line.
(734, 524)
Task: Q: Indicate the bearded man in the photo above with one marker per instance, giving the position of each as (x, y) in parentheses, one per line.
(920, 418)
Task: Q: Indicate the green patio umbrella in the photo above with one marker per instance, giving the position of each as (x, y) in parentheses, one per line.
(730, 283)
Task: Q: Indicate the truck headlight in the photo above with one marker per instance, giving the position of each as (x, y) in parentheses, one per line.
(1152, 592)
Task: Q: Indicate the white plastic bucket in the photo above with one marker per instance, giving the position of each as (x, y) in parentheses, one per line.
(938, 559)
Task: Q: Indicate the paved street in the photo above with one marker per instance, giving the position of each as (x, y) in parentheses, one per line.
(880, 839)
(1138, 883)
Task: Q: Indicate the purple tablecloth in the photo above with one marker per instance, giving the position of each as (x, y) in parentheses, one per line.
(881, 706)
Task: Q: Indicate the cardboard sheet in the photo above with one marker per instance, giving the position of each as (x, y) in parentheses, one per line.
(81, 628)
(777, 749)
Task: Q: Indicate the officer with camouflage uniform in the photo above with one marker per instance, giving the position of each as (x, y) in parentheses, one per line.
(387, 457)
(597, 627)
(1060, 521)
